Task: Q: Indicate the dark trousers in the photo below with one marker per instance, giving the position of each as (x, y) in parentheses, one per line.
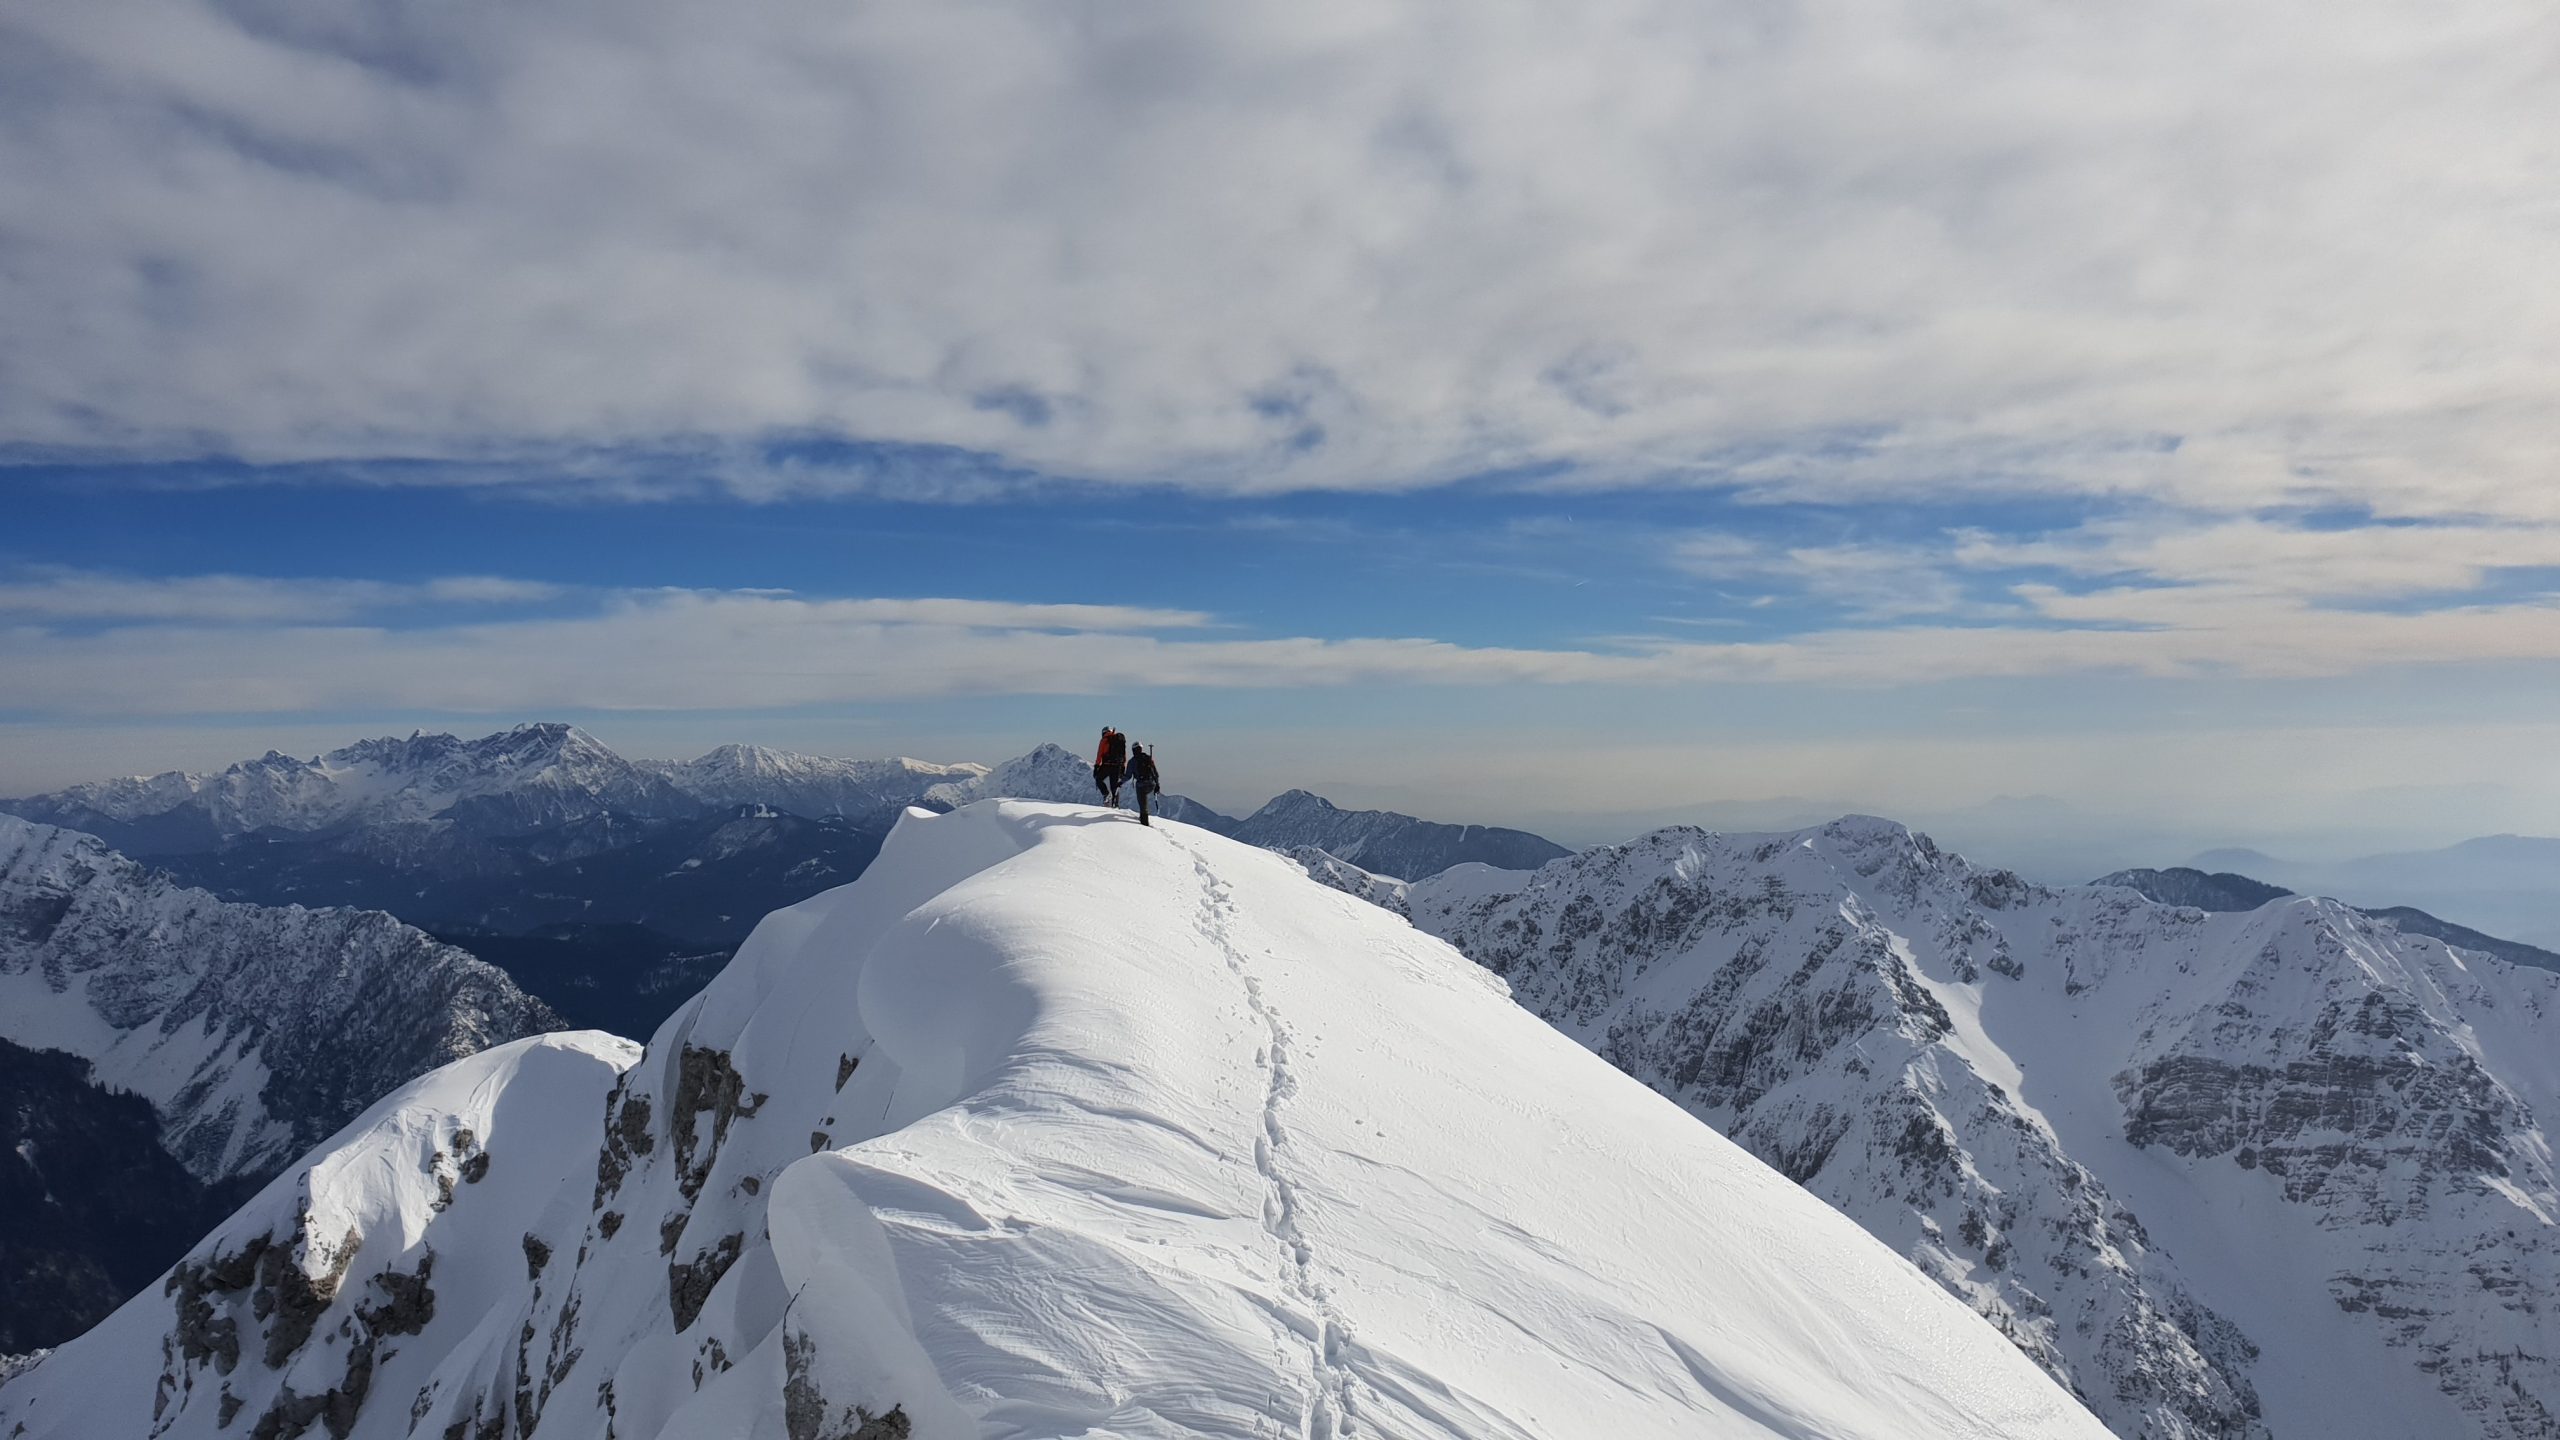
(1106, 779)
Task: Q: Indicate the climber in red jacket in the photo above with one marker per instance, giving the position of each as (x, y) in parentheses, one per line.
(1110, 764)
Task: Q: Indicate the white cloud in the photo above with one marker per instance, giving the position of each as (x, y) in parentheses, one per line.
(56, 594)
(691, 650)
(1828, 249)
(1874, 582)
(2268, 557)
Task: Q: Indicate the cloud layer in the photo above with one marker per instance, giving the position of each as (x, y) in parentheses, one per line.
(2288, 253)
(82, 644)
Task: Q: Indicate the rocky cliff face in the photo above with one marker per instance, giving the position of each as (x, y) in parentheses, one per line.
(2231, 1175)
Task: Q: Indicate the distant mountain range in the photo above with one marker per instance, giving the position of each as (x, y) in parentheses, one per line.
(2504, 884)
(161, 1032)
(2223, 891)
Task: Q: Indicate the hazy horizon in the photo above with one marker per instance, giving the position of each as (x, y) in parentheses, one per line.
(2043, 835)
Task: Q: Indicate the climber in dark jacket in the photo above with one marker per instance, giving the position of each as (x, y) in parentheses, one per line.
(1142, 773)
(1110, 761)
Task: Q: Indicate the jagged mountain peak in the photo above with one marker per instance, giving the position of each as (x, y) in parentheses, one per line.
(1049, 1125)
(1290, 802)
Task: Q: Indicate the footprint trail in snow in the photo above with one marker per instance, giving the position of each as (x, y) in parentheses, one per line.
(1330, 1411)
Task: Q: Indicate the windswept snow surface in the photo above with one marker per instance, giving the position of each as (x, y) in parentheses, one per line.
(1051, 1125)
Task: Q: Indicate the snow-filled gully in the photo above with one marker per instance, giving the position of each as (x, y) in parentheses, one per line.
(1329, 1412)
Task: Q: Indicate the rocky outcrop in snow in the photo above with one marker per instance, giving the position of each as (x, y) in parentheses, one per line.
(2279, 1172)
(1047, 1126)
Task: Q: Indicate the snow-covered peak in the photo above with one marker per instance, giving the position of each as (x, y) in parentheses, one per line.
(1048, 1126)
(1292, 803)
(1049, 772)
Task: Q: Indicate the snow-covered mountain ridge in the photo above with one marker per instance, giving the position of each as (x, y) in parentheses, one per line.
(1049, 1125)
(2283, 1172)
(254, 1031)
(814, 785)
(1386, 843)
(518, 779)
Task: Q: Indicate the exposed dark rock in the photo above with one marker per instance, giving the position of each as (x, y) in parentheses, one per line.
(689, 1284)
(807, 1414)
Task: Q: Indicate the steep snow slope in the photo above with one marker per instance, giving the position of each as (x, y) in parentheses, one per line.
(813, 785)
(1387, 843)
(253, 1031)
(2288, 1164)
(1050, 1125)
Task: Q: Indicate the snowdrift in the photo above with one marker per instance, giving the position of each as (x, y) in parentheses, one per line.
(1051, 1125)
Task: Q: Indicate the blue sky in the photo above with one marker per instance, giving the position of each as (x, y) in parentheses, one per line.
(1578, 417)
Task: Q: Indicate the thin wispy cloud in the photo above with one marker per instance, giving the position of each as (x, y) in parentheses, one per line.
(2285, 254)
(54, 593)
